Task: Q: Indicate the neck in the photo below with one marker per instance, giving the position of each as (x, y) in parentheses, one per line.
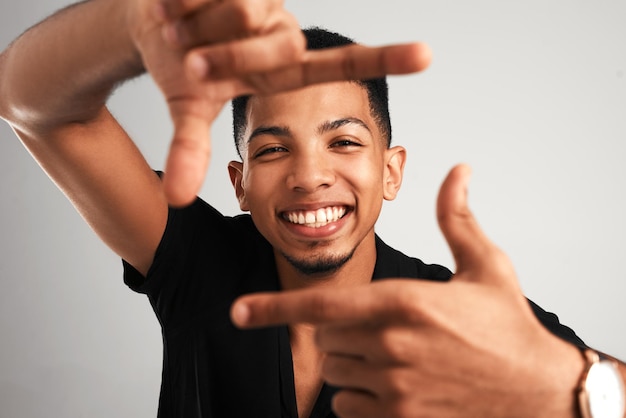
(356, 271)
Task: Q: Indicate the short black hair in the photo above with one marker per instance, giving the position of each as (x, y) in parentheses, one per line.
(377, 88)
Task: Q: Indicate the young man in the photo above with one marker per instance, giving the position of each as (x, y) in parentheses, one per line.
(316, 166)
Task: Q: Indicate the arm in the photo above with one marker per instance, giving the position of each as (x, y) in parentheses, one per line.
(63, 69)
(468, 347)
(55, 81)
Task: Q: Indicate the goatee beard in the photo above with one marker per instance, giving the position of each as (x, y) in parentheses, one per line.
(320, 265)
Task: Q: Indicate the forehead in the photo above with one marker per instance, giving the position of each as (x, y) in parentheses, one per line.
(307, 107)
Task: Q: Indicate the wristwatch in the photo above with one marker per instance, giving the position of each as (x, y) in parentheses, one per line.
(601, 390)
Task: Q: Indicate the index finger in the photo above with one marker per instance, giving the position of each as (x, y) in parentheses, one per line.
(282, 71)
(360, 62)
(318, 306)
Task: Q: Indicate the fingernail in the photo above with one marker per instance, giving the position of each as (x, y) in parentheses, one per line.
(240, 314)
(198, 66)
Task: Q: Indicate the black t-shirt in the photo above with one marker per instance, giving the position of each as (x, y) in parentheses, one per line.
(211, 368)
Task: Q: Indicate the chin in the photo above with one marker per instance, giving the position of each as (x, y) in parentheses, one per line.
(320, 264)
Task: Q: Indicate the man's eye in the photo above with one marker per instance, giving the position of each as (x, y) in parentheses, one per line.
(345, 143)
(270, 150)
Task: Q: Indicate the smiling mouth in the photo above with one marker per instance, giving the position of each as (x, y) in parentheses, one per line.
(315, 218)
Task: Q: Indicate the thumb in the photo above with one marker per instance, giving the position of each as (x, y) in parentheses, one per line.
(476, 257)
(189, 156)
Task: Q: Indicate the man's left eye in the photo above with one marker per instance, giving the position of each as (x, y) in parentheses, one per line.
(344, 143)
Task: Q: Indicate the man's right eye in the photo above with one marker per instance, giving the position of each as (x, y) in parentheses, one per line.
(270, 150)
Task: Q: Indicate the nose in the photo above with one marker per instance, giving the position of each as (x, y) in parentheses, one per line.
(310, 172)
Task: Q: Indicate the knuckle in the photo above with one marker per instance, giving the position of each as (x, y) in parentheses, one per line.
(381, 61)
(462, 214)
(293, 44)
(322, 337)
(387, 344)
(267, 311)
(349, 64)
(235, 58)
(359, 62)
(271, 312)
(305, 75)
(333, 369)
(401, 385)
(397, 404)
(320, 306)
(246, 14)
(397, 346)
(265, 83)
(407, 304)
(328, 366)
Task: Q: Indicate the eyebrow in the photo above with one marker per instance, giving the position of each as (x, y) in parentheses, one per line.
(325, 127)
(270, 130)
(336, 124)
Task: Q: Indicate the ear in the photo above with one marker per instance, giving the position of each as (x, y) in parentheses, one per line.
(395, 158)
(235, 170)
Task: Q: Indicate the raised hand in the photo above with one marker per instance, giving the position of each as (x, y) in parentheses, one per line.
(202, 53)
(407, 348)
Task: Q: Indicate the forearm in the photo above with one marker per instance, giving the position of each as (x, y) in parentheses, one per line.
(63, 69)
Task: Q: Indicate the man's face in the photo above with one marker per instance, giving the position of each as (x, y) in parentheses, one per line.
(315, 172)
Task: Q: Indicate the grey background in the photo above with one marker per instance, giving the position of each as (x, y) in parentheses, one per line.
(531, 94)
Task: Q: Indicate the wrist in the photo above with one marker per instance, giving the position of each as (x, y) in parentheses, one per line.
(557, 368)
(601, 388)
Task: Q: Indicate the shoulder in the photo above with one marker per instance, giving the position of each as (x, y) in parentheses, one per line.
(199, 239)
(203, 220)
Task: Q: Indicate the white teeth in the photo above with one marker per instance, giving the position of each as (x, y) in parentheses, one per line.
(320, 216)
(316, 218)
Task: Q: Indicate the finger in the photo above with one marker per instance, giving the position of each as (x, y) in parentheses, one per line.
(368, 303)
(349, 372)
(189, 156)
(270, 52)
(356, 404)
(472, 250)
(353, 62)
(225, 21)
(381, 383)
(346, 339)
(358, 62)
(379, 342)
(170, 10)
(355, 373)
(465, 238)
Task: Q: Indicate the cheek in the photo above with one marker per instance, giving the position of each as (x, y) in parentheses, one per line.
(259, 185)
(366, 176)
